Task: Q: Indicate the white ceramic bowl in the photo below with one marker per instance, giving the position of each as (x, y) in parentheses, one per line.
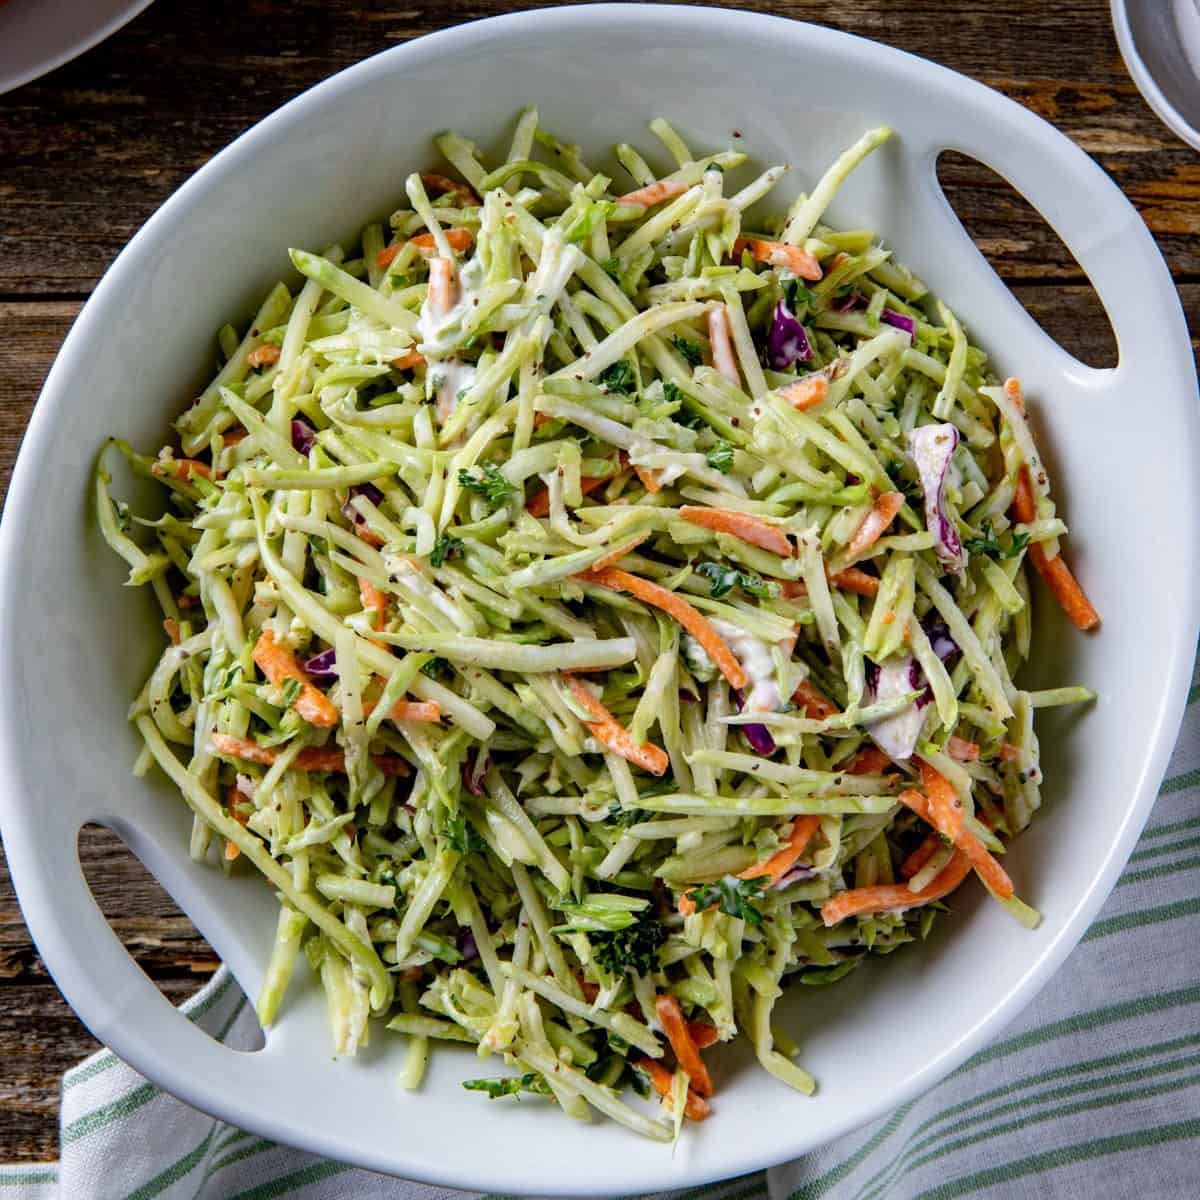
(1122, 444)
(1160, 43)
(36, 36)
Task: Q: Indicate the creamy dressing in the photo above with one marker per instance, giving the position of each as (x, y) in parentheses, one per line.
(454, 377)
(435, 330)
(762, 692)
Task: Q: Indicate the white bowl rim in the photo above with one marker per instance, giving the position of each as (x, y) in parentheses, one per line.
(22, 500)
(1154, 96)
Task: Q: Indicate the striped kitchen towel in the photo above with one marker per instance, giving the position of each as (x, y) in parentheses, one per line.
(1093, 1093)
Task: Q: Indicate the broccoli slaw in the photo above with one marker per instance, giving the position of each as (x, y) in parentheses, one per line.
(594, 611)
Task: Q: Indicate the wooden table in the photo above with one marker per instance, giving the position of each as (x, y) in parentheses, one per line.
(90, 151)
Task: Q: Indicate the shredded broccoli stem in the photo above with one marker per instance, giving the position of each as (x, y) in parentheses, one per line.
(517, 629)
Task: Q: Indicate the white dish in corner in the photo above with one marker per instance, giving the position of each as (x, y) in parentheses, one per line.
(36, 36)
(1160, 43)
(74, 647)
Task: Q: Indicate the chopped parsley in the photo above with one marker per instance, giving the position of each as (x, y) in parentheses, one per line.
(722, 581)
(445, 547)
(612, 268)
(796, 294)
(720, 457)
(436, 668)
(690, 351)
(490, 484)
(987, 543)
(462, 836)
(624, 817)
(619, 378)
(734, 897)
(634, 948)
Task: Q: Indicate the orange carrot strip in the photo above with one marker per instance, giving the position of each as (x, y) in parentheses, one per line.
(670, 1015)
(373, 601)
(677, 607)
(1008, 752)
(875, 522)
(721, 339)
(782, 861)
(942, 809)
(620, 552)
(779, 254)
(406, 362)
(1024, 506)
(234, 800)
(180, 468)
(703, 1034)
(416, 710)
(265, 355)
(696, 1107)
(314, 758)
(921, 855)
(1065, 587)
(806, 393)
(441, 285)
(1012, 388)
(854, 580)
(813, 703)
(961, 750)
(741, 525)
(653, 193)
(894, 896)
(606, 729)
(439, 185)
(539, 505)
(278, 664)
(172, 627)
(870, 761)
(231, 437)
(460, 240)
(649, 479)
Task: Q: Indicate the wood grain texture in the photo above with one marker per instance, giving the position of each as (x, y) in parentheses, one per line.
(90, 151)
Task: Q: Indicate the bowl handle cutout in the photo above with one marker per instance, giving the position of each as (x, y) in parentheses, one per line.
(1099, 227)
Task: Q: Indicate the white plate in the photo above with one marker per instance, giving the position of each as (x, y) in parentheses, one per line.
(1122, 445)
(38, 35)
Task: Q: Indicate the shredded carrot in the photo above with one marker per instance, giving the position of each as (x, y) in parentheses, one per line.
(1024, 507)
(649, 480)
(460, 241)
(653, 193)
(813, 703)
(670, 1016)
(186, 601)
(891, 897)
(703, 1034)
(882, 514)
(416, 710)
(961, 750)
(807, 393)
(1012, 388)
(406, 362)
(181, 468)
(1009, 753)
(696, 1107)
(279, 664)
(373, 601)
(1059, 579)
(941, 808)
(740, 525)
(234, 801)
(540, 419)
(1065, 587)
(539, 505)
(439, 185)
(782, 861)
(231, 437)
(441, 286)
(606, 729)
(677, 607)
(265, 355)
(917, 860)
(854, 580)
(620, 552)
(779, 254)
(314, 758)
(870, 761)
(172, 627)
(721, 339)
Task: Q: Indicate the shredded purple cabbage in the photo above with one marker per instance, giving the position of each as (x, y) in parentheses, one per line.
(944, 646)
(787, 340)
(759, 736)
(369, 490)
(467, 946)
(473, 779)
(322, 667)
(800, 873)
(932, 448)
(897, 735)
(849, 303)
(304, 436)
(899, 321)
